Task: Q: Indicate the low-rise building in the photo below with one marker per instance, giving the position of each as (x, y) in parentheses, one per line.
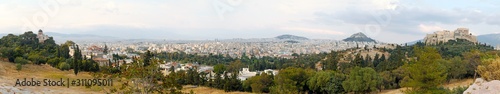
(245, 73)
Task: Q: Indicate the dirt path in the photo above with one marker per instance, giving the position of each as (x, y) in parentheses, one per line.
(207, 90)
(451, 85)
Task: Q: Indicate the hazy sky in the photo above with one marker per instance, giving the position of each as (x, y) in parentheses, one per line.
(395, 21)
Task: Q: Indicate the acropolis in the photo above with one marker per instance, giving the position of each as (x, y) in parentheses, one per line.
(446, 35)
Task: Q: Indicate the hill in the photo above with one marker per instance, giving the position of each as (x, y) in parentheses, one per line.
(491, 39)
(291, 37)
(8, 76)
(359, 37)
(61, 37)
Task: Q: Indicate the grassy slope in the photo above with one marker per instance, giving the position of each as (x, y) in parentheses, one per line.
(9, 75)
(208, 90)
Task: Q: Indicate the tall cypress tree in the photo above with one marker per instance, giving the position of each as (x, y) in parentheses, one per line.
(106, 49)
(147, 58)
(76, 61)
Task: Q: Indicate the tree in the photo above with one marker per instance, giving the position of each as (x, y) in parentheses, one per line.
(426, 73)
(362, 80)
(219, 69)
(376, 60)
(456, 68)
(490, 70)
(21, 60)
(64, 66)
(332, 61)
(473, 60)
(147, 58)
(232, 83)
(358, 60)
(37, 59)
(105, 50)
(137, 78)
(327, 82)
(295, 55)
(291, 81)
(235, 67)
(259, 83)
(77, 60)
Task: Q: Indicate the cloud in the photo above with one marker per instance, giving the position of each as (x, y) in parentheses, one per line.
(311, 30)
(257, 18)
(429, 29)
(493, 19)
(405, 19)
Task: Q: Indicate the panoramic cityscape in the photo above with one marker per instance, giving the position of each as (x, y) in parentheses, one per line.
(246, 47)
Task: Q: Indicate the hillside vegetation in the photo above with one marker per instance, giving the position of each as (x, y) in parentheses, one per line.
(419, 68)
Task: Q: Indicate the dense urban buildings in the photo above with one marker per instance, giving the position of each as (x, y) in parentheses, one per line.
(231, 47)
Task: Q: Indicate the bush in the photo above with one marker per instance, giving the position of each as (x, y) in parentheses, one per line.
(362, 80)
(438, 90)
(64, 66)
(54, 62)
(458, 90)
(21, 60)
(490, 70)
(19, 66)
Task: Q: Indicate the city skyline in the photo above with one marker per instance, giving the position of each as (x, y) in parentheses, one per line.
(402, 20)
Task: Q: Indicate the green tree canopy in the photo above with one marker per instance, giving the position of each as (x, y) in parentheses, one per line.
(291, 81)
(362, 80)
(327, 82)
(426, 72)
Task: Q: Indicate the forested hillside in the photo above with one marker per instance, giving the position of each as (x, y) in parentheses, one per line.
(26, 49)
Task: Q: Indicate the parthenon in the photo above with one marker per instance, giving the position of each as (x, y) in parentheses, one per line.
(446, 35)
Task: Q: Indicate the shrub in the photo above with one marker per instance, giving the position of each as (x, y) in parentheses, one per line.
(21, 60)
(458, 90)
(64, 66)
(438, 90)
(19, 66)
(490, 70)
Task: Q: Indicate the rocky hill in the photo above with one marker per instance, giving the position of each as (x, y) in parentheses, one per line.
(291, 37)
(490, 39)
(359, 37)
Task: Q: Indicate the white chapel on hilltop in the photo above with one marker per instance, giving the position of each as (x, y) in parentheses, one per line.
(41, 37)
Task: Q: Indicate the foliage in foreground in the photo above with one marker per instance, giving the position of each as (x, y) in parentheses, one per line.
(362, 80)
(490, 70)
(425, 73)
(137, 78)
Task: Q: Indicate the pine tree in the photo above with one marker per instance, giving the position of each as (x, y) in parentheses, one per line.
(105, 51)
(382, 58)
(368, 61)
(376, 60)
(426, 73)
(77, 60)
(147, 58)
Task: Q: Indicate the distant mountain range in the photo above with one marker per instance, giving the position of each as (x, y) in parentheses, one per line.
(359, 37)
(291, 37)
(491, 39)
(61, 38)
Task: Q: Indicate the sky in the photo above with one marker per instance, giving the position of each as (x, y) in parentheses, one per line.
(392, 21)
